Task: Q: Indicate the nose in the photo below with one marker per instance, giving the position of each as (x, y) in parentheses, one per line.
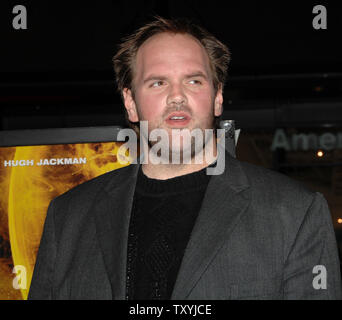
(176, 95)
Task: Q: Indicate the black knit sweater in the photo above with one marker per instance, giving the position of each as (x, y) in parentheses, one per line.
(163, 215)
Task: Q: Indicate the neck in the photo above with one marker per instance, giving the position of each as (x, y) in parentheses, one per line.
(168, 171)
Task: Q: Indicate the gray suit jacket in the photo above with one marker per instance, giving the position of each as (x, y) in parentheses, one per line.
(258, 235)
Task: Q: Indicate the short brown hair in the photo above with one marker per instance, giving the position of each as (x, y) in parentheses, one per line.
(219, 55)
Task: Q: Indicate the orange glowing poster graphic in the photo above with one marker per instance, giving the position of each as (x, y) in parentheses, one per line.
(30, 177)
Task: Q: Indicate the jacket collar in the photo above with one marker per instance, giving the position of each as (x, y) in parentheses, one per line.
(113, 206)
(226, 199)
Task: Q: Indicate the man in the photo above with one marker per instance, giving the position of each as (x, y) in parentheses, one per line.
(170, 231)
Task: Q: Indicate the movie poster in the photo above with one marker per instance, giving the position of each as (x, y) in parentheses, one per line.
(30, 177)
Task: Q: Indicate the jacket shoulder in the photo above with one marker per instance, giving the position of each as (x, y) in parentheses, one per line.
(76, 202)
(272, 185)
(284, 203)
(90, 187)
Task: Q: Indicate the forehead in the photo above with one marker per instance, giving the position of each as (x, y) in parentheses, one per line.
(168, 52)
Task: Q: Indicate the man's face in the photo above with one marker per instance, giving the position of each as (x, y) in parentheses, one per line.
(173, 87)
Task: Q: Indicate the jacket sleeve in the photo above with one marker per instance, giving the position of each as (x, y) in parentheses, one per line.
(42, 279)
(312, 267)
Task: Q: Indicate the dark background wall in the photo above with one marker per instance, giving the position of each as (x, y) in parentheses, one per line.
(58, 72)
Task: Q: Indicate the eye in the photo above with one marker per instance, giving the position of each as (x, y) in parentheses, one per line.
(157, 84)
(194, 81)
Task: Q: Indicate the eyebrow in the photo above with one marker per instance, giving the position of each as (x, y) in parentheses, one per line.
(191, 75)
(196, 74)
(154, 77)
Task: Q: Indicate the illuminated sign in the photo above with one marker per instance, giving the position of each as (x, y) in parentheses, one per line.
(327, 141)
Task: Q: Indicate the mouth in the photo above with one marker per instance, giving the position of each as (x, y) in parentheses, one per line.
(178, 119)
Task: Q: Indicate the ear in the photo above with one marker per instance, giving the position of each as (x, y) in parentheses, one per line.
(130, 105)
(218, 102)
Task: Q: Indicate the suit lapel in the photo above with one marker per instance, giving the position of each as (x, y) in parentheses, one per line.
(226, 199)
(112, 214)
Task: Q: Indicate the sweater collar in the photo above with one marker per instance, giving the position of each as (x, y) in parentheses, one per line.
(180, 184)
